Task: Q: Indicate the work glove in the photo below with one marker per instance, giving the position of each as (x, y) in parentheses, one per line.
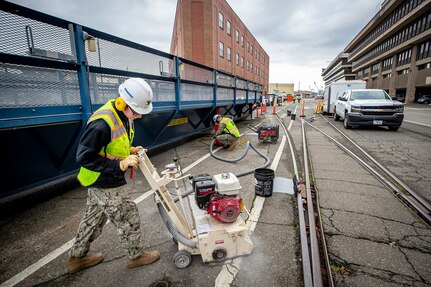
(132, 160)
(135, 150)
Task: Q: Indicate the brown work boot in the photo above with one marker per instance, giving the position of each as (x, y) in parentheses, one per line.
(78, 263)
(146, 258)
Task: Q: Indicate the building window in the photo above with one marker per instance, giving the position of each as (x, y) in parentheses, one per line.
(237, 36)
(424, 50)
(403, 72)
(387, 64)
(228, 28)
(221, 50)
(242, 61)
(424, 66)
(237, 59)
(242, 40)
(220, 20)
(404, 57)
(248, 65)
(228, 54)
(375, 68)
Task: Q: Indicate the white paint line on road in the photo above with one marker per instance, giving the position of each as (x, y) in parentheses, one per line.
(416, 123)
(231, 267)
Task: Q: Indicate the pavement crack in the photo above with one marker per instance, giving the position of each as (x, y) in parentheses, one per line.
(413, 267)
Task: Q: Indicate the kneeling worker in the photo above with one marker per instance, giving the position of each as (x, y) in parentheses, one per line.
(105, 153)
(227, 133)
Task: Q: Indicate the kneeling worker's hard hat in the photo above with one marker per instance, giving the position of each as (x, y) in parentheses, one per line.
(215, 118)
(137, 94)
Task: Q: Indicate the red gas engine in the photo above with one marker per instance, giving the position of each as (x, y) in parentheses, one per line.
(218, 195)
(268, 133)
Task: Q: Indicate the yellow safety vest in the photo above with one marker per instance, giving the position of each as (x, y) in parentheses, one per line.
(230, 127)
(120, 144)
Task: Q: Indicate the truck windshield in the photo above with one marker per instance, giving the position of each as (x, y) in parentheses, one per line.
(369, 95)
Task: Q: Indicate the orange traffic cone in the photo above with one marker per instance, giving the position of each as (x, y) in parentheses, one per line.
(302, 110)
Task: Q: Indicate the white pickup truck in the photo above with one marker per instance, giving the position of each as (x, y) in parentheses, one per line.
(369, 107)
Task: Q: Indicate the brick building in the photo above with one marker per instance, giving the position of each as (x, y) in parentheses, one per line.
(210, 33)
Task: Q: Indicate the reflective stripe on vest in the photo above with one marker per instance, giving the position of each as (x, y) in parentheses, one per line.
(230, 127)
(118, 148)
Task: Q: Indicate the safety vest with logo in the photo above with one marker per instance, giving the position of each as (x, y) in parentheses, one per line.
(120, 144)
(230, 127)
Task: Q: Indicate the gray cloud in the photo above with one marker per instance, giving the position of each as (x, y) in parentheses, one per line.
(300, 36)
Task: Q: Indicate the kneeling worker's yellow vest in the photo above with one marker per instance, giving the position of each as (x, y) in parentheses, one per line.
(230, 127)
(120, 144)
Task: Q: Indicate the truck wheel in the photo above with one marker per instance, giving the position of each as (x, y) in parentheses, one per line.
(346, 122)
(336, 117)
(393, 128)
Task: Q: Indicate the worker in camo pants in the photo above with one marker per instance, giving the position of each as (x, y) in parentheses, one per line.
(227, 133)
(105, 153)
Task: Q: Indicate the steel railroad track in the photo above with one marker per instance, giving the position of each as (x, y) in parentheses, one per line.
(313, 245)
(408, 196)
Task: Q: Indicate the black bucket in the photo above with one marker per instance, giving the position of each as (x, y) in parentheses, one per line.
(292, 116)
(263, 181)
(289, 112)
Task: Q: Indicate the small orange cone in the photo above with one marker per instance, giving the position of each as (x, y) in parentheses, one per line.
(302, 110)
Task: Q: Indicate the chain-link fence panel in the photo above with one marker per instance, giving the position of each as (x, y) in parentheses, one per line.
(26, 86)
(119, 57)
(196, 93)
(17, 33)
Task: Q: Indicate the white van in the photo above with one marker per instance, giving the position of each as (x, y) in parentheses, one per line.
(336, 89)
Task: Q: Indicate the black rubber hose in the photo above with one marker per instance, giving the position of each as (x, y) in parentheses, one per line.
(226, 159)
(267, 160)
(171, 228)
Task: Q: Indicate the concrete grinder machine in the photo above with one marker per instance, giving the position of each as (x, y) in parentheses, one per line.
(213, 226)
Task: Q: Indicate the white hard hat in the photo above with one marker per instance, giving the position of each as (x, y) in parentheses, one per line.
(137, 94)
(216, 117)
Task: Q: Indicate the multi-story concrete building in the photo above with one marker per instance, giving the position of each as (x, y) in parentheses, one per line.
(393, 51)
(338, 69)
(210, 33)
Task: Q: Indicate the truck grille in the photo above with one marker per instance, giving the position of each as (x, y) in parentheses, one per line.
(377, 113)
(377, 110)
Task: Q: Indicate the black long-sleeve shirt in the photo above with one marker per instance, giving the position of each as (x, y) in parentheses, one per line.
(97, 136)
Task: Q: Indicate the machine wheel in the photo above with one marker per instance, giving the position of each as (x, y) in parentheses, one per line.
(336, 117)
(393, 128)
(182, 259)
(346, 122)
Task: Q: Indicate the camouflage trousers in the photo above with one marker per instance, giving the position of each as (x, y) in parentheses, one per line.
(226, 139)
(113, 204)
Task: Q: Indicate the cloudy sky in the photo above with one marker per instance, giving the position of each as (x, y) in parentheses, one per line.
(300, 36)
